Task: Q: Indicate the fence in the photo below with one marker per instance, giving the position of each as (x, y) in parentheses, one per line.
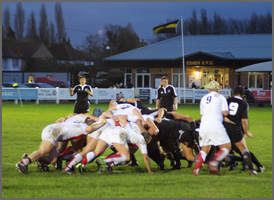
(104, 94)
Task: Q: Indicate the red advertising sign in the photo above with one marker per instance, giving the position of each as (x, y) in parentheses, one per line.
(262, 95)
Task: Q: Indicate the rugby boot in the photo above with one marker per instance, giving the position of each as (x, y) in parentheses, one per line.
(79, 169)
(261, 169)
(213, 169)
(253, 172)
(195, 172)
(21, 168)
(59, 163)
(68, 170)
(133, 164)
(43, 167)
(233, 166)
(189, 165)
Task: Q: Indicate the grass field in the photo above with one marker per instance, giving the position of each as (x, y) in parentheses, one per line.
(21, 133)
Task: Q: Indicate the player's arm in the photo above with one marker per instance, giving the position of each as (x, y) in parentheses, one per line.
(245, 127)
(153, 129)
(137, 112)
(120, 118)
(225, 113)
(147, 163)
(96, 125)
(157, 103)
(89, 91)
(71, 91)
(175, 106)
(158, 99)
(132, 100)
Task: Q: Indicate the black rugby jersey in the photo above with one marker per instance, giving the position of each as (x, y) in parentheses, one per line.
(237, 110)
(166, 95)
(82, 96)
(171, 128)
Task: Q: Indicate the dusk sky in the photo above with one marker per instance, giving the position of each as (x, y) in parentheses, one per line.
(84, 18)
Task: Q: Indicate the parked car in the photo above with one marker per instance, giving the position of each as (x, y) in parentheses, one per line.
(52, 81)
(10, 84)
(39, 85)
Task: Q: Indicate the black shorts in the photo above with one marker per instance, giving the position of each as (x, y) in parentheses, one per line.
(81, 107)
(234, 132)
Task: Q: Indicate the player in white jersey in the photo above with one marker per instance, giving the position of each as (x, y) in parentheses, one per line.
(50, 135)
(119, 137)
(115, 136)
(94, 131)
(213, 108)
(132, 114)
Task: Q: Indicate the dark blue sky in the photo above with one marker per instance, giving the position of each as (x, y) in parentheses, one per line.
(82, 18)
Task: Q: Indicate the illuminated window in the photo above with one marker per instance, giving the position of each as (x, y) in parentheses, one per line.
(255, 80)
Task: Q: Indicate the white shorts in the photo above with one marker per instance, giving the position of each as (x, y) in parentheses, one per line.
(95, 134)
(213, 134)
(63, 132)
(51, 133)
(114, 135)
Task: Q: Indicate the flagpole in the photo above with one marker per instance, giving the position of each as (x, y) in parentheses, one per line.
(183, 59)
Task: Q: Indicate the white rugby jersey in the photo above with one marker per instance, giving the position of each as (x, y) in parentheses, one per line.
(125, 109)
(211, 107)
(75, 119)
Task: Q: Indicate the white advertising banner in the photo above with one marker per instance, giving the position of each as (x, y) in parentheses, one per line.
(198, 94)
(124, 93)
(63, 93)
(107, 93)
(47, 94)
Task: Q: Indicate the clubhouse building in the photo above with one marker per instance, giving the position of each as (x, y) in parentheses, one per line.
(207, 58)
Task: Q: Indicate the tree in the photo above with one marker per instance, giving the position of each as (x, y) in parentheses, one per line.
(121, 39)
(193, 24)
(268, 22)
(253, 24)
(43, 27)
(205, 28)
(94, 45)
(6, 24)
(19, 21)
(31, 31)
(219, 25)
(52, 39)
(60, 24)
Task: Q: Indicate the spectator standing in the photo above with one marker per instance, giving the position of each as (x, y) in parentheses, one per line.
(166, 96)
(82, 104)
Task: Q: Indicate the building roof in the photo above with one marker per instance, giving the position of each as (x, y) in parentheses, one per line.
(259, 67)
(23, 49)
(66, 52)
(229, 47)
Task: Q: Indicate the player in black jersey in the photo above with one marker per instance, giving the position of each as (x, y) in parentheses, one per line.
(174, 136)
(166, 96)
(82, 90)
(236, 124)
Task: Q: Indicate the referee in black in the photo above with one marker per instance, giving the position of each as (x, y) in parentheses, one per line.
(166, 96)
(83, 90)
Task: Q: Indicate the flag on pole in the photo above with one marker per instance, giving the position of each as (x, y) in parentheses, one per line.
(167, 28)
